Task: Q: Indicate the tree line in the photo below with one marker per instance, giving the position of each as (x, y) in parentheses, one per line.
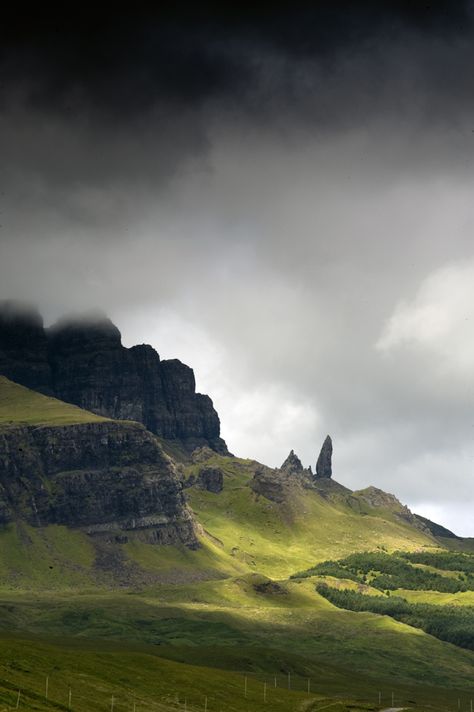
(454, 624)
(388, 572)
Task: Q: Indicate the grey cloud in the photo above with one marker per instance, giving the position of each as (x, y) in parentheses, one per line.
(271, 231)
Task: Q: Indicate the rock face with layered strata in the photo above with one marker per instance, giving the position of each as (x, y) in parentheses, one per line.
(106, 478)
(83, 361)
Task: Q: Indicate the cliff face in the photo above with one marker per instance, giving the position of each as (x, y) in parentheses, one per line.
(84, 362)
(24, 347)
(106, 478)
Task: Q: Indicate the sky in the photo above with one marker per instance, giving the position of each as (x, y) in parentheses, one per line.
(281, 198)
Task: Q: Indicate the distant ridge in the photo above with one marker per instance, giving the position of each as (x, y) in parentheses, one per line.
(436, 529)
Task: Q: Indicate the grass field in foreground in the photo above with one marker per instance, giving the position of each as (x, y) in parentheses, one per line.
(85, 677)
(204, 620)
(229, 625)
(100, 676)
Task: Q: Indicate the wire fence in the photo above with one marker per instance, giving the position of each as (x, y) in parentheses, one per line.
(255, 688)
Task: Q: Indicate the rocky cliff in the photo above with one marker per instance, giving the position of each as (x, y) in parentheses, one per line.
(83, 361)
(104, 477)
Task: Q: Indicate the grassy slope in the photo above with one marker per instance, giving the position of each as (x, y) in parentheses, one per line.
(244, 533)
(463, 545)
(227, 625)
(19, 405)
(58, 559)
(96, 673)
(462, 598)
(279, 539)
(223, 622)
(49, 558)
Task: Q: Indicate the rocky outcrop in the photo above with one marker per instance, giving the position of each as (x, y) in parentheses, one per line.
(271, 484)
(83, 361)
(280, 484)
(106, 478)
(324, 463)
(435, 529)
(211, 479)
(375, 498)
(292, 464)
(202, 454)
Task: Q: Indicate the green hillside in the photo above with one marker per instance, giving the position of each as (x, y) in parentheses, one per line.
(232, 626)
(19, 405)
(81, 676)
(242, 532)
(164, 627)
(278, 539)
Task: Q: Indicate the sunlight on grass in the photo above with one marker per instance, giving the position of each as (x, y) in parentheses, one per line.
(19, 405)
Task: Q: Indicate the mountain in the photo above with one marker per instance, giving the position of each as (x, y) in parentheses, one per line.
(81, 360)
(152, 579)
(110, 483)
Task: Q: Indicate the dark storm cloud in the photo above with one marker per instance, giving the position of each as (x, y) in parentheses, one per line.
(125, 99)
(123, 64)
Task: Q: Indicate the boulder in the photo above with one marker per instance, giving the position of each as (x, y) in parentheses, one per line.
(211, 479)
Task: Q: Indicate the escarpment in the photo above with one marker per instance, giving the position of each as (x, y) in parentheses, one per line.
(83, 361)
(104, 477)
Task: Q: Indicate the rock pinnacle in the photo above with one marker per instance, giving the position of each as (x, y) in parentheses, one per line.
(292, 464)
(324, 464)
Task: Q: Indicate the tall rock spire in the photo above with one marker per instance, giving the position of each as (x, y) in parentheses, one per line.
(324, 463)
